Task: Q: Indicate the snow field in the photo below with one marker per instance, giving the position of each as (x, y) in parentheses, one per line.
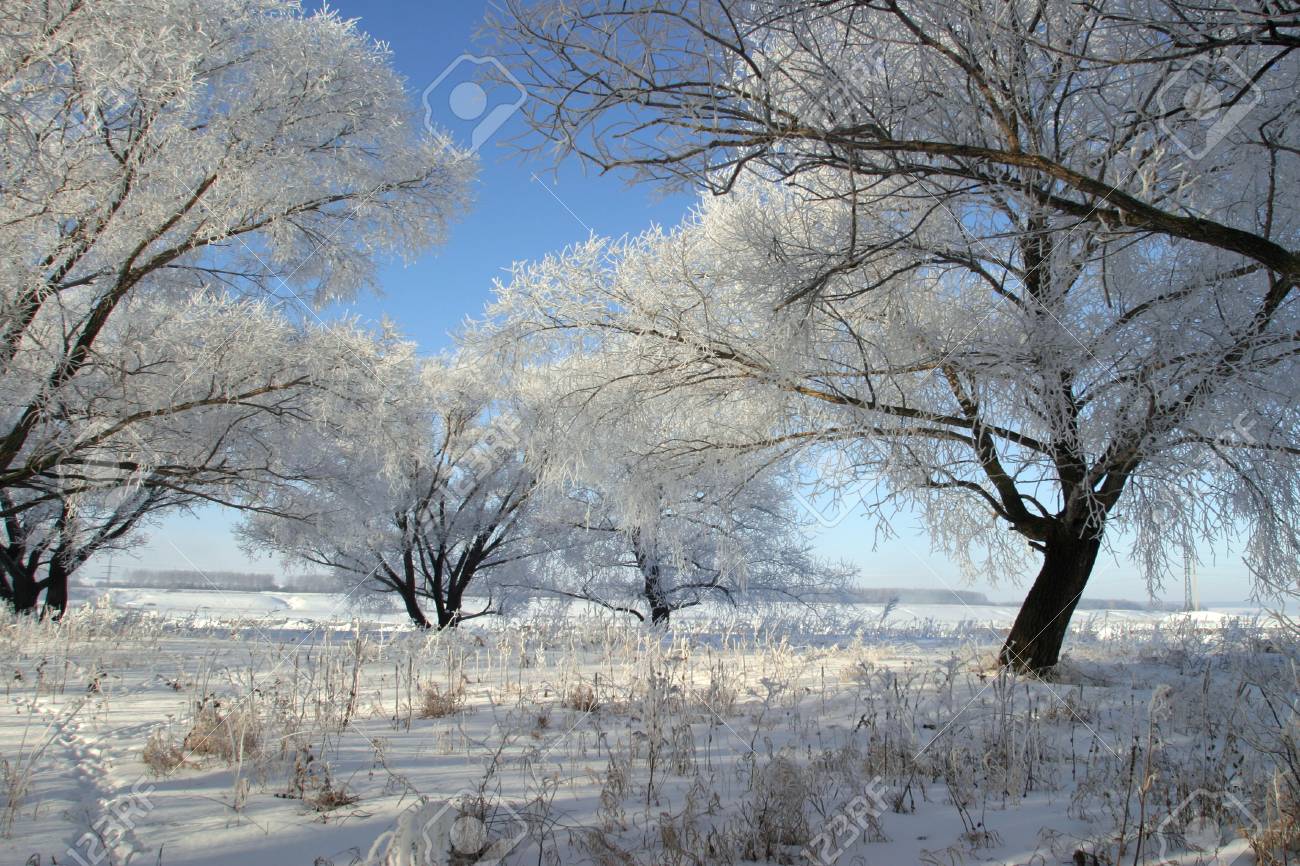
(135, 737)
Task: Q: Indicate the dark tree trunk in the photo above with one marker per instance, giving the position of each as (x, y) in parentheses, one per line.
(406, 585)
(652, 586)
(449, 613)
(26, 591)
(413, 609)
(660, 609)
(56, 590)
(1034, 644)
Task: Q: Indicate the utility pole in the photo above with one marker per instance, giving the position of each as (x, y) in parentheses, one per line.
(1191, 593)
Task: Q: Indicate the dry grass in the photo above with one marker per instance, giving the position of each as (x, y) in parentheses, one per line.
(313, 782)
(329, 798)
(777, 812)
(225, 732)
(16, 773)
(161, 754)
(437, 703)
(581, 697)
(1278, 841)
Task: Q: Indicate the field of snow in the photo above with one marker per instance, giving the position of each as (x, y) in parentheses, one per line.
(270, 729)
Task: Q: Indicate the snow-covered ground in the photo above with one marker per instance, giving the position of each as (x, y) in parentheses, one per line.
(272, 728)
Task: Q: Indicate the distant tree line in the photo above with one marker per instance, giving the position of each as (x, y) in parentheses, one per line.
(871, 595)
(239, 581)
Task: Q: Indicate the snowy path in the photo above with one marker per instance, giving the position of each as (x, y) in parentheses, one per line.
(103, 809)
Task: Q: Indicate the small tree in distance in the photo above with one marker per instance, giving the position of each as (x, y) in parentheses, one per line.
(645, 517)
(710, 543)
(420, 491)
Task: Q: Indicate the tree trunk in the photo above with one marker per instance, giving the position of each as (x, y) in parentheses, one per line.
(449, 613)
(56, 590)
(660, 609)
(413, 607)
(405, 586)
(1034, 644)
(652, 582)
(26, 591)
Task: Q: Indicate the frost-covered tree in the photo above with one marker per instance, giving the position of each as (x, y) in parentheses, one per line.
(728, 544)
(1089, 204)
(160, 150)
(186, 400)
(643, 518)
(421, 491)
(1032, 397)
(45, 544)
(1139, 118)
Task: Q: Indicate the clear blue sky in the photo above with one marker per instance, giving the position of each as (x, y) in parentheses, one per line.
(522, 210)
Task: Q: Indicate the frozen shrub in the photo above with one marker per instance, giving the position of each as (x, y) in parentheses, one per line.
(777, 823)
(312, 782)
(601, 850)
(330, 797)
(15, 782)
(721, 694)
(436, 703)
(582, 697)
(161, 754)
(228, 733)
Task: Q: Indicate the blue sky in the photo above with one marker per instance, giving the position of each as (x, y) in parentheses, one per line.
(523, 210)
